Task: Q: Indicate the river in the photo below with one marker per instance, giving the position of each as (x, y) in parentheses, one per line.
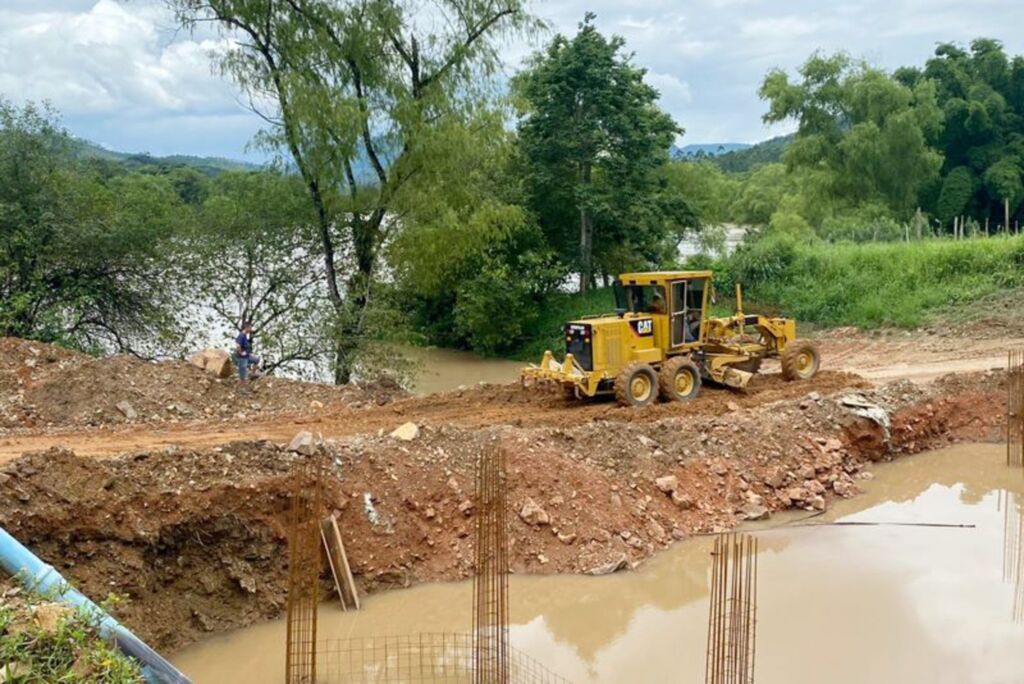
(889, 602)
(439, 370)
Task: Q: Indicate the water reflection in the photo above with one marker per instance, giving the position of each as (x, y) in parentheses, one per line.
(1013, 544)
(843, 605)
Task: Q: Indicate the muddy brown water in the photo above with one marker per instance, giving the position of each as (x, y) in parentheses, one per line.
(441, 370)
(839, 604)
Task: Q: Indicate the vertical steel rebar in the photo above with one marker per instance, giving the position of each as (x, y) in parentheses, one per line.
(1015, 408)
(732, 613)
(490, 579)
(304, 563)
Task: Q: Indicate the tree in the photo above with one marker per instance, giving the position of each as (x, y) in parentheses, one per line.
(956, 192)
(354, 87)
(470, 264)
(81, 258)
(983, 104)
(251, 257)
(863, 133)
(593, 139)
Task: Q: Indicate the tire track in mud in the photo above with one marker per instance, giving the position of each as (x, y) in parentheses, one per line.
(482, 406)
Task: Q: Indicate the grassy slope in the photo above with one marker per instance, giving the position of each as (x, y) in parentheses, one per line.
(866, 285)
(892, 284)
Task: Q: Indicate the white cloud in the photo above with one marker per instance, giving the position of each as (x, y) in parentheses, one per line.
(114, 60)
(672, 88)
(121, 73)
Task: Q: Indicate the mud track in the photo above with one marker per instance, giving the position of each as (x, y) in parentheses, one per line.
(481, 406)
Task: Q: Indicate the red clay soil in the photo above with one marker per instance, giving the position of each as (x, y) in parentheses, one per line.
(195, 537)
(376, 409)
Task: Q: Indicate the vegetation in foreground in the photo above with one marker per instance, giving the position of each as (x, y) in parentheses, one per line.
(42, 641)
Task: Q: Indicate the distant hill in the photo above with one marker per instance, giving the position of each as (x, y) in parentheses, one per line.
(767, 152)
(211, 166)
(702, 150)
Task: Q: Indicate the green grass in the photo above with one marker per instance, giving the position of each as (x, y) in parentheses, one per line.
(70, 650)
(889, 284)
(873, 285)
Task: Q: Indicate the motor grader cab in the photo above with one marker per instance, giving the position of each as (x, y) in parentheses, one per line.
(661, 341)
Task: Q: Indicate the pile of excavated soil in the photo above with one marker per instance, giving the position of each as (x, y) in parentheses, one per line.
(196, 538)
(44, 386)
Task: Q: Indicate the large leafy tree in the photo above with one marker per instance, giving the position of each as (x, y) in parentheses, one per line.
(351, 91)
(81, 256)
(863, 136)
(982, 94)
(593, 141)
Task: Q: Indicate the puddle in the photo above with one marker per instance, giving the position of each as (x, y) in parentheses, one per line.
(837, 604)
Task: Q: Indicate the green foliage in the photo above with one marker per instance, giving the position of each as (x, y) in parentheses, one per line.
(871, 285)
(81, 256)
(740, 161)
(72, 651)
(709, 191)
(870, 223)
(863, 131)
(956, 192)
(981, 97)
(592, 142)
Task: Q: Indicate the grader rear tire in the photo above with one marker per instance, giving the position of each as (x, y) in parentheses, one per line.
(637, 385)
(800, 361)
(679, 379)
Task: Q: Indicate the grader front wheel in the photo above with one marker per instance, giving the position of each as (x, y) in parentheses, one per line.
(637, 385)
(800, 360)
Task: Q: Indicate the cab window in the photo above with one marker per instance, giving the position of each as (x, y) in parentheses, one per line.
(641, 299)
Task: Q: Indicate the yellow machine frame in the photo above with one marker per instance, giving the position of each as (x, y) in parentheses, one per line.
(725, 349)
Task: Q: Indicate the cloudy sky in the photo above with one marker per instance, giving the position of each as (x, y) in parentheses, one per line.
(123, 76)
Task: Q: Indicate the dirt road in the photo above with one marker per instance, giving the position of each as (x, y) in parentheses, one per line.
(915, 356)
(852, 360)
(483, 406)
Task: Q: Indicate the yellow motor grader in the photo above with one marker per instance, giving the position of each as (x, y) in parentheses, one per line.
(660, 341)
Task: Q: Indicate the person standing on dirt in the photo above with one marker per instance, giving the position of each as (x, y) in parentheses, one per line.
(243, 353)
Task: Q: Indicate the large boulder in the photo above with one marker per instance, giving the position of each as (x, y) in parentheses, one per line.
(216, 362)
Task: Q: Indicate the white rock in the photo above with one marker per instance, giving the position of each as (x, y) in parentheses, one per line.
(406, 432)
(303, 443)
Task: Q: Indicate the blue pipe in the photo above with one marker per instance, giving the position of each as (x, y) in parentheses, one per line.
(19, 562)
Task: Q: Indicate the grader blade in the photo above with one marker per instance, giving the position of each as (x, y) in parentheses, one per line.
(736, 378)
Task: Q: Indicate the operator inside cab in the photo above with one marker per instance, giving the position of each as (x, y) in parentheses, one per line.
(691, 333)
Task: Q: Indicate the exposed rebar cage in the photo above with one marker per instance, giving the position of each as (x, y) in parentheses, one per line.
(426, 658)
(1015, 408)
(304, 563)
(732, 617)
(1013, 550)
(490, 579)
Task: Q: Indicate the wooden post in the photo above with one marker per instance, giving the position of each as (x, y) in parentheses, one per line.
(986, 226)
(1006, 207)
